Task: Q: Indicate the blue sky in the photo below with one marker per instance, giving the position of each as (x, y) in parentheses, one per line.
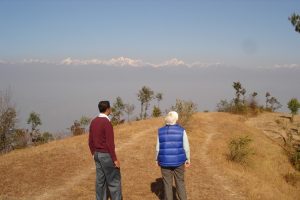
(234, 32)
(60, 57)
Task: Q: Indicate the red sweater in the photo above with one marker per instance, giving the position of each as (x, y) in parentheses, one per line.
(101, 137)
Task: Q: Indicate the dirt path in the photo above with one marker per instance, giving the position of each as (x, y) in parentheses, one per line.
(141, 178)
(208, 182)
(64, 191)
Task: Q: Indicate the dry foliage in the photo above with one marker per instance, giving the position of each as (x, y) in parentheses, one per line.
(65, 169)
(239, 149)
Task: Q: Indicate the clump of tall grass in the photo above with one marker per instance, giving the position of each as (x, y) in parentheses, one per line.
(291, 178)
(292, 149)
(239, 149)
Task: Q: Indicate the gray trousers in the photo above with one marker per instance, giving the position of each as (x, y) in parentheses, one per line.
(168, 173)
(107, 176)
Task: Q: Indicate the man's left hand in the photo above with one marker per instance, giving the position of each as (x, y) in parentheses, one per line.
(187, 164)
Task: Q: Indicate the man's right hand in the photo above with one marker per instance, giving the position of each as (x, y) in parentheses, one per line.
(157, 164)
(117, 164)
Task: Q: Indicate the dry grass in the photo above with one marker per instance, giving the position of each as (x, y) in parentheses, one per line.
(263, 177)
(65, 169)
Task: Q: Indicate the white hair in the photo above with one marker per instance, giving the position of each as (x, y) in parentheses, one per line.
(171, 118)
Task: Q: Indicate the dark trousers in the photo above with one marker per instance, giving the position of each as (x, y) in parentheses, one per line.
(107, 176)
(168, 173)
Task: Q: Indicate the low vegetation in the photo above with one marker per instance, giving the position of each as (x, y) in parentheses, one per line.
(12, 137)
(239, 149)
(156, 112)
(241, 104)
(294, 106)
(292, 178)
(185, 110)
(292, 148)
(41, 167)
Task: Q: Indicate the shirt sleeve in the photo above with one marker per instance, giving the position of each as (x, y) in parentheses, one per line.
(186, 146)
(109, 133)
(91, 142)
(157, 148)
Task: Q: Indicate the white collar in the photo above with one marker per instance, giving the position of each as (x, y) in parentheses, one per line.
(171, 124)
(103, 115)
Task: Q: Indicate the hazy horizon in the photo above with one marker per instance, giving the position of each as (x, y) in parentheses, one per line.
(62, 94)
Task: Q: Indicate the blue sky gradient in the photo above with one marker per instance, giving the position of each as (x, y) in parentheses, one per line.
(235, 32)
(60, 57)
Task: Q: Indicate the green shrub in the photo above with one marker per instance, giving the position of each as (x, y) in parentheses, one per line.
(294, 106)
(239, 149)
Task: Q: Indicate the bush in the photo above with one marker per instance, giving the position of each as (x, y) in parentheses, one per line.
(239, 149)
(156, 112)
(224, 106)
(294, 106)
(292, 150)
(240, 109)
(185, 110)
(231, 107)
(291, 178)
(76, 128)
(20, 138)
(47, 137)
(117, 111)
(295, 159)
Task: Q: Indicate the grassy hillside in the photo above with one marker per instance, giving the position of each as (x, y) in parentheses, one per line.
(65, 169)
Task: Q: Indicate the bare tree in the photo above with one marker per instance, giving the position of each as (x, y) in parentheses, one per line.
(238, 92)
(85, 121)
(145, 95)
(159, 97)
(252, 101)
(267, 98)
(35, 121)
(185, 110)
(8, 118)
(273, 102)
(117, 111)
(128, 109)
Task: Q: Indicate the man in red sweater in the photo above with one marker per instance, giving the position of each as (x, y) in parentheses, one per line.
(102, 146)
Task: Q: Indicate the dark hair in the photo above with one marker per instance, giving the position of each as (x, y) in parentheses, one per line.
(103, 106)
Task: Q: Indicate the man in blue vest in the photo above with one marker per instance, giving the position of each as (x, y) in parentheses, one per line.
(173, 155)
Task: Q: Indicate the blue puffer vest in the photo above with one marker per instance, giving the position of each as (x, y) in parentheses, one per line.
(171, 151)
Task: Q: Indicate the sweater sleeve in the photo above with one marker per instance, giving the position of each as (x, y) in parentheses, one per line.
(91, 142)
(186, 146)
(109, 134)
